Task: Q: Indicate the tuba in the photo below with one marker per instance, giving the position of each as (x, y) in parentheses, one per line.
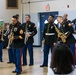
(1, 30)
(60, 34)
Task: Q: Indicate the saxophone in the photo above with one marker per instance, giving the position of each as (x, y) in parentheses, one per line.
(10, 41)
(60, 34)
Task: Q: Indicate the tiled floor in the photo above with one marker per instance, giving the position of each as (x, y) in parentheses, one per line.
(6, 69)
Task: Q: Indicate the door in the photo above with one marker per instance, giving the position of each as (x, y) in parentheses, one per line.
(43, 19)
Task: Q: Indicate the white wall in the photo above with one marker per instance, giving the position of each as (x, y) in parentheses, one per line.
(55, 5)
(6, 14)
(36, 0)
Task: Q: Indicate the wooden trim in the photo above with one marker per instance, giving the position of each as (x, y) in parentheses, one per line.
(7, 7)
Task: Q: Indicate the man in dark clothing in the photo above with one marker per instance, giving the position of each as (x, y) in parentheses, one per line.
(67, 29)
(1, 39)
(18, 43)
(30, 32)
(11, 50)
(49, 36)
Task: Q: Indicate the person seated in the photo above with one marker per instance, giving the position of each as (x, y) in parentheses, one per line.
(62, 61)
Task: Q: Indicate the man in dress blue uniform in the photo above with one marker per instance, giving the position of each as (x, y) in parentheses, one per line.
(18, 43)
(67, 29)
(49, 35)
(11, 50)
(10, 55)
(30, 31)
(1, 46)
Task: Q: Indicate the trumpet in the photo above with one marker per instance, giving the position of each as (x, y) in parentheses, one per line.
(11, 35)
(60, 34)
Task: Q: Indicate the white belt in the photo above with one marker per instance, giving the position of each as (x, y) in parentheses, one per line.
(28, 32)
(49, 33)
(66, 33)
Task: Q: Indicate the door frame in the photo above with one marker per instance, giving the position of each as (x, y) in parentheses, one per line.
(39, 14)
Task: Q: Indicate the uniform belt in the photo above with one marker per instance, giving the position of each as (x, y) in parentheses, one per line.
(49, 33)
(28, 33)
(66, 33)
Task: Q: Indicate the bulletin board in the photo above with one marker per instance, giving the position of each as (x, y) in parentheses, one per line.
(11, 4)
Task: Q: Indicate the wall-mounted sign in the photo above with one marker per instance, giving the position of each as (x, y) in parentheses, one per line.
(47, 7)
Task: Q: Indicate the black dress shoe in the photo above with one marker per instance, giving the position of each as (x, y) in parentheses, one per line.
(24, 64)
(9, 62)
(30, 64)
(13, 62)
(43, 66)
(1, 60)
(18, 73)
(13, 71)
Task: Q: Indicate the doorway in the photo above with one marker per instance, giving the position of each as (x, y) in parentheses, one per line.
(43, 17)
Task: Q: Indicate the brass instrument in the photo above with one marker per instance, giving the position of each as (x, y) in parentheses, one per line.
(26, 32)
(10, 41)
(2, 29)
(42, 48)
(60, 34)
